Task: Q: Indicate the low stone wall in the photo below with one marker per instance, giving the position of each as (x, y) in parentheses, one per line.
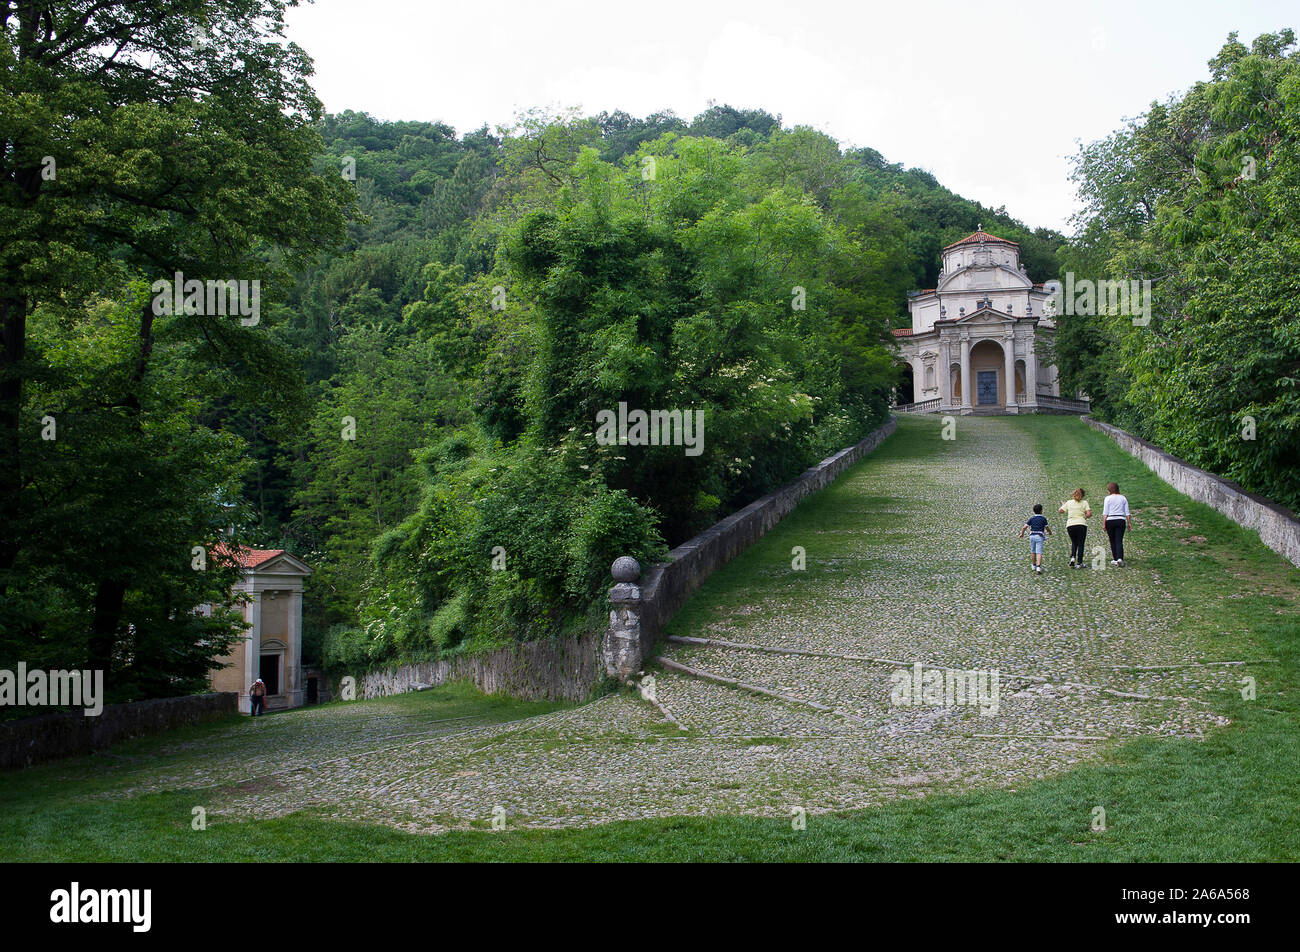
(642, 608)
(34, 740)
(1278, 528)
(563, 669)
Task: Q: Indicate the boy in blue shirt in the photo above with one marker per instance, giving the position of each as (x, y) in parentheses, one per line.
(1038, 530)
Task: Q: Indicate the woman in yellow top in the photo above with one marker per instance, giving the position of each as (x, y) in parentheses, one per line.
(1077, 513)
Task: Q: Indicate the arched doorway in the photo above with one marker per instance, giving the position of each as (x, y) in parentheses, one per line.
(987, 370)
(905, 392)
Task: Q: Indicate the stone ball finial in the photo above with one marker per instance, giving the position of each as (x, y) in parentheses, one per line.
(625, 569)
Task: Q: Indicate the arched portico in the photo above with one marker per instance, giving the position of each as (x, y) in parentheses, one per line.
(905, 392)
(988, 374)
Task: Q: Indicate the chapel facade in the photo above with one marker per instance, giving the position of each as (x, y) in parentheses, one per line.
(269, 596)
(976, 337)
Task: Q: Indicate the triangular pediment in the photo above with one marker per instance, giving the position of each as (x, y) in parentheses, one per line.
(284, 564)
(986, 315)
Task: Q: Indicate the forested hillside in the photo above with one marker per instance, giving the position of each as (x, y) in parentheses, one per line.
(411, 407)
(653, 262)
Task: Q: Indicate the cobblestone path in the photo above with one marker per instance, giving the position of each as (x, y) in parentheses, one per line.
(912, 557)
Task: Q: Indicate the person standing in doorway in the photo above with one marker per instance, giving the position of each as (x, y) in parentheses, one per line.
(1115, 518)
(1077, 513)
(257, 695)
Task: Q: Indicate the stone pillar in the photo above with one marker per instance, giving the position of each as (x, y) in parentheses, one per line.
(622, 647)
(965, 374)
(1009, 362)
(945, 374)
(1031, 374)
(293, 657)
(252, 649)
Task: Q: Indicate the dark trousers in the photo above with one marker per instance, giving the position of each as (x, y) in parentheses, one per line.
(1077, 536)
(1115, 529)
(257, 704)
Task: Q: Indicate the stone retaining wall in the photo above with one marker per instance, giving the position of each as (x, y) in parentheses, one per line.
(642, 608)
(33, 740)
(563, 669)
(1278, 528)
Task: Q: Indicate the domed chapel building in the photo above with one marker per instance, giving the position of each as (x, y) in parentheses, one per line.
(975, 339)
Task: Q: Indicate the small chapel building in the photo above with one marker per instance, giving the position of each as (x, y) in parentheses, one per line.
(272, 647)
(976, 337)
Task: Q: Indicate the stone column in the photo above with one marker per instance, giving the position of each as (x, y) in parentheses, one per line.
(945, 374)
(622, 647)
(1009, 362)
(1031, 374)
(293, 657)
(965, 373)
(252, 648)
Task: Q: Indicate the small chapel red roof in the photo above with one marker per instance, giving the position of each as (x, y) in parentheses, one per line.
(902, 332)
(976, 237)
(247, 558)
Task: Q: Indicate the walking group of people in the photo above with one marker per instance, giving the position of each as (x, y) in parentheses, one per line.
(1115, 519)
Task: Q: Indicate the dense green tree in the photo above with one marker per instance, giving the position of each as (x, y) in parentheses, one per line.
(135, 492)
(1199, 196)
(355, 474)
(721, 122)
(137, 141)
(622, 134)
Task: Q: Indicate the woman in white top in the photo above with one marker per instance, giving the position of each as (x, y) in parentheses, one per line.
(1115, 517)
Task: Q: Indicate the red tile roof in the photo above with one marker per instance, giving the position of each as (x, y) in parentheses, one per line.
(902, 332)
(976, 237)
(248, 558)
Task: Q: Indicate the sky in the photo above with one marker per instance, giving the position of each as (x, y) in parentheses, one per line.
(992, 98)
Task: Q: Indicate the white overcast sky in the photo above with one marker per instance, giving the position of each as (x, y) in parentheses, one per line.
(990, 97)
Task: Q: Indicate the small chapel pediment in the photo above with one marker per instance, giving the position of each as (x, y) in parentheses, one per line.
(286, 564)
(985, 315)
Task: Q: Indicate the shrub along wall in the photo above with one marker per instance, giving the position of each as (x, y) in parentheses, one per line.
(569, 669)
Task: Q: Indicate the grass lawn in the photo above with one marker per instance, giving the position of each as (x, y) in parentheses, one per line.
(1231, 796)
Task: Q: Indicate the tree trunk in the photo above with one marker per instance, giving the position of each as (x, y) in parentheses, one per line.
(109, 597)
(13, 345)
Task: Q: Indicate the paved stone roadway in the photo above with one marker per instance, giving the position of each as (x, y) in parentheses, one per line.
(943, 582)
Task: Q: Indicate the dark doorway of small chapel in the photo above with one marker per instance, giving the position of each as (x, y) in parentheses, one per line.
(269, 672)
